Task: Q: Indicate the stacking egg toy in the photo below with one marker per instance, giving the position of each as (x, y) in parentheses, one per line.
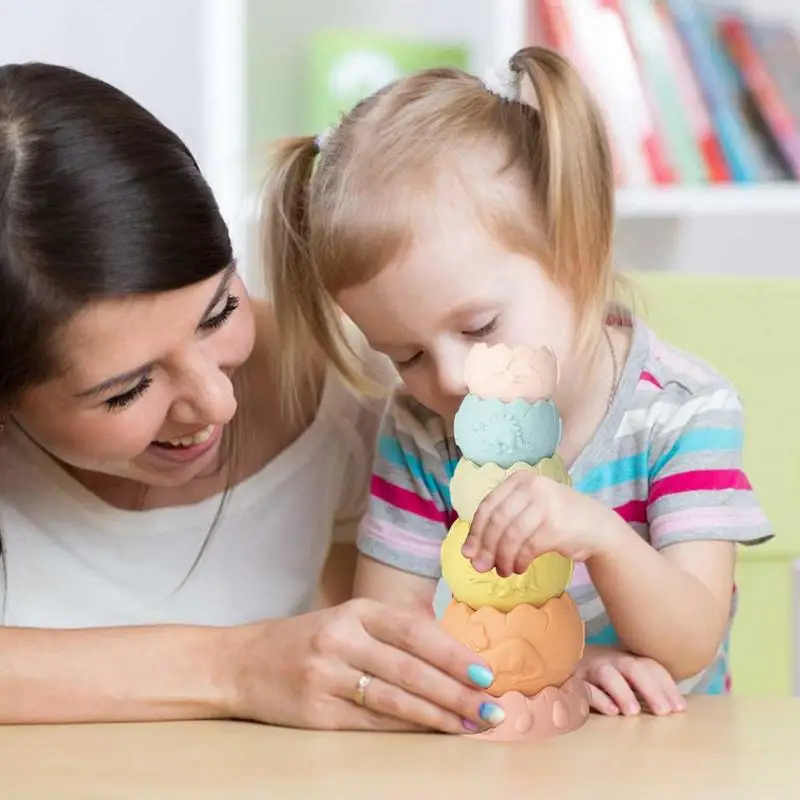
(526, 627)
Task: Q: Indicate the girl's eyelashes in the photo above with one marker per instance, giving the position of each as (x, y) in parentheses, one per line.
(122, 400)
(218, 320)
(486, 330)
(210, 324)
(408, 362)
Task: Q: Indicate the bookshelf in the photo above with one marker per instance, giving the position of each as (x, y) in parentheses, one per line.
(729, 200)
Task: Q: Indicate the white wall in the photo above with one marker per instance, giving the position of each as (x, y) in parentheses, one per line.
(226, 74)
(148, 48)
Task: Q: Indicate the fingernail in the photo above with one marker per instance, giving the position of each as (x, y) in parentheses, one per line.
(680, 705)
(469, 725)
(468, 549)
(482, 563)
(480, 675)
(492, 713)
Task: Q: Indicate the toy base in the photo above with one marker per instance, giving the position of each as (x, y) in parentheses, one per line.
(549, 713)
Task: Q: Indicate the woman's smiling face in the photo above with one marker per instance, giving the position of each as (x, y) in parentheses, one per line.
(145, 387)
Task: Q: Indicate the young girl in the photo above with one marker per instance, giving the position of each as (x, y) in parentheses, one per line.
(439, 214)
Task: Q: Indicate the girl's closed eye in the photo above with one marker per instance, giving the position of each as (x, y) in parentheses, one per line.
(405, 363)
(485, 330)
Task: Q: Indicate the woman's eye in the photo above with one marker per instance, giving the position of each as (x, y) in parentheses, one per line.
(222, 316)
(484, 331)
(122, 400)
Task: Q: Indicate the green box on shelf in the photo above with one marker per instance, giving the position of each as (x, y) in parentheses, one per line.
(343, 67)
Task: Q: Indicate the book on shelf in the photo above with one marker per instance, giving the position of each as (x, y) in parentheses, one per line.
(692, 94)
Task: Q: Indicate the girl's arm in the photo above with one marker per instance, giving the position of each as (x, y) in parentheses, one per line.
(393, 586)
(670, 598)
(336, 585)
(408, 510)
(672, 606)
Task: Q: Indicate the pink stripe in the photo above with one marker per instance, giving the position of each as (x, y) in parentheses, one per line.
(580, 576)
(675, 361)
(398, 538)
(634, 511)
(707, 519)
(405, 500)
(648, 377)
(699, 480)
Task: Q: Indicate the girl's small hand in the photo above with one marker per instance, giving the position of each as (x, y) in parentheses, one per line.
(527, 515)
(623, 683)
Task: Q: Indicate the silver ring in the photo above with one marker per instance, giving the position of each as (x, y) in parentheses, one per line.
(360, 696)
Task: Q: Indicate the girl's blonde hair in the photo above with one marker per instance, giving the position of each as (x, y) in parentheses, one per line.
(336, 215)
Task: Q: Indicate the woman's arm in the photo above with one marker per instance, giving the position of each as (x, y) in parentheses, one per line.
(165, 672)
(300, 671)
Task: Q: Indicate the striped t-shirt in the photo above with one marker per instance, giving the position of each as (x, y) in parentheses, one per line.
(667, 458)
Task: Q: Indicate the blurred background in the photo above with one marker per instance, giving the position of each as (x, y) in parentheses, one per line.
(702, 101)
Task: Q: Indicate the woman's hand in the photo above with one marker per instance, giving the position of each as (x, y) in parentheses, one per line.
(304, 672)
(623, 683)
(529, 514)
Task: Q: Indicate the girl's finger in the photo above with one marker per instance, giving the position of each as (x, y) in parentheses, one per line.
(520, 535)
(671, 697)
(485, 512)
(647, 678)
(495, 527)
(613, 683)
(601, 702)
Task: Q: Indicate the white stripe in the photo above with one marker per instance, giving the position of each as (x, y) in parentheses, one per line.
(669, 417)
(406, 423)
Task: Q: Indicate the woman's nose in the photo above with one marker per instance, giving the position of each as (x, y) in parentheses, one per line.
(206, 397)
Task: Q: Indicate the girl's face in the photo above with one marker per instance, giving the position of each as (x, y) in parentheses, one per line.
(146, 389)
(455, 288)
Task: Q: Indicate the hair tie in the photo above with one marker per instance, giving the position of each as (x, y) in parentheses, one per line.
(503, 82)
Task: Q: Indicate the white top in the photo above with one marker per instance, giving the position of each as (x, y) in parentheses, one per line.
(72, 560)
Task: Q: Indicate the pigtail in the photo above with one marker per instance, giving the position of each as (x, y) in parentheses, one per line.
(308, 321)
(574, 172)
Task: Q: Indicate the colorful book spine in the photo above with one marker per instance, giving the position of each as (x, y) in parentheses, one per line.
(599, 30)
(779, 49)
(651, 49)
(708, 62)
(763, 89)
(692, 100)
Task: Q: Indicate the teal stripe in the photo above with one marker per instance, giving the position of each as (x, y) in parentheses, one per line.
(702, 439)
(613, 473)
(607, 637)
(391, 451)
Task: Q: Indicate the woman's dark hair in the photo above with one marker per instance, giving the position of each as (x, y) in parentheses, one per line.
(98, 199)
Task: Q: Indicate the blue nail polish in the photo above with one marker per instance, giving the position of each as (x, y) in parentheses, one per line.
(492, 713)
(480, 675)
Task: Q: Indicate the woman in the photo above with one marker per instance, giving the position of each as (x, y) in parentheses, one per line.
(164, 524)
